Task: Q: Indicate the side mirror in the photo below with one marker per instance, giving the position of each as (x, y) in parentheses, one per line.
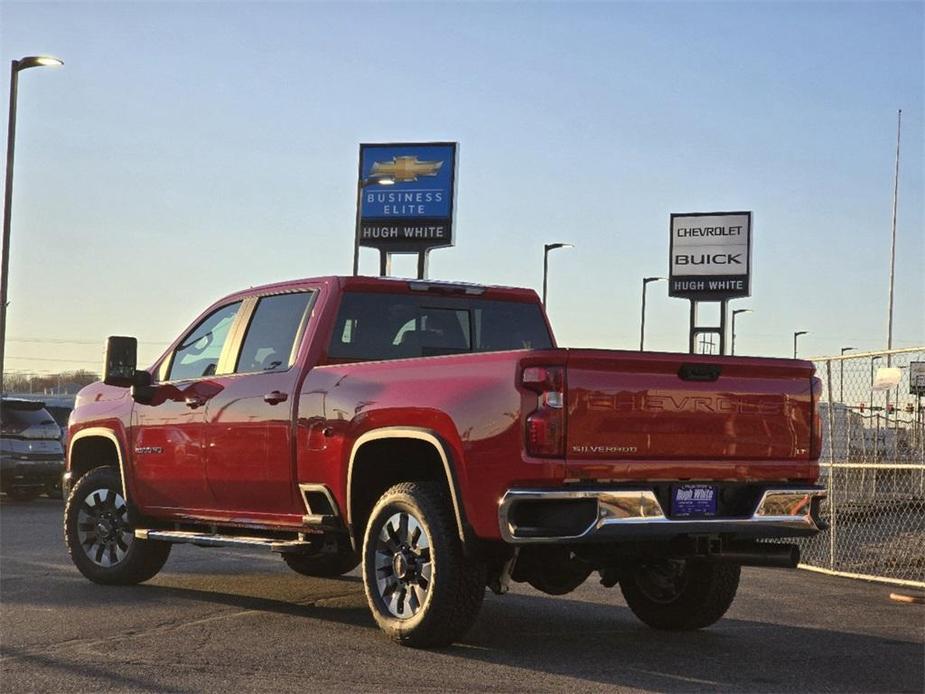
(121, 361)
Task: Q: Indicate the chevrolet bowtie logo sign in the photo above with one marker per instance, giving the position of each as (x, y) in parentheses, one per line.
(406, 193)
(405, 168)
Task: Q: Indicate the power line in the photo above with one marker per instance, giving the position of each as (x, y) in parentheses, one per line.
(71, 361)
(68, 341)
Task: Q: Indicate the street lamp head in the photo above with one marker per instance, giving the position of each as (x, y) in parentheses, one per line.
(646, 280)
(554, 246)
(737, 311)
(847, 349)
(37, 61)
(797, 333)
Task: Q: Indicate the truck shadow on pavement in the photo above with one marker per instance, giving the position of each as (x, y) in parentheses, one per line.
(601, 644)
(605, 644)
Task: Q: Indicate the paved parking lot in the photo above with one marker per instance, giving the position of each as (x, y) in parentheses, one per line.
(223, 620)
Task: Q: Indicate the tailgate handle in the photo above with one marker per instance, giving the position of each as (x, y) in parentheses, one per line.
(699, 372)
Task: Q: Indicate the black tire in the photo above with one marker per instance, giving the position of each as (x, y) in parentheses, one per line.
(99, 538)
(24, 493)
(413, 534)
(680, 595)
(323, 565)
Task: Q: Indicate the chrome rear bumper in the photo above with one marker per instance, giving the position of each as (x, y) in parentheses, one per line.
(629, 514)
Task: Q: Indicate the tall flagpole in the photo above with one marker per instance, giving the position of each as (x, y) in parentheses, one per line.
(889, 333)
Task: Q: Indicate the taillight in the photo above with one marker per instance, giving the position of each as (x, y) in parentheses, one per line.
(545, 435)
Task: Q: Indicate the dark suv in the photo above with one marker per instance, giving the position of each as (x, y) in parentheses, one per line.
(31, 453)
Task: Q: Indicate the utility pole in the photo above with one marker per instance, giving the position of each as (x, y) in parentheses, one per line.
(889, 330)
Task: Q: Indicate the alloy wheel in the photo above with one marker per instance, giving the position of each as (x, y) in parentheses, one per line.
(102, 528)
(404, 570)
(662, 582)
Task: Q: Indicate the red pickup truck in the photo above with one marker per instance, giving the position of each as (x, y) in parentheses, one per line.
(434, 434)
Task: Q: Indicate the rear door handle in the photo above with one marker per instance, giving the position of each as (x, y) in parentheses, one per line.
(193, 401)
(275, 397)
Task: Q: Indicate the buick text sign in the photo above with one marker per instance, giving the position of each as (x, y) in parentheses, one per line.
(710, 255)
(407, 195)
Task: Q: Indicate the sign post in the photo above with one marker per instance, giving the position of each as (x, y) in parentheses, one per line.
(710, 260)
(405, 200)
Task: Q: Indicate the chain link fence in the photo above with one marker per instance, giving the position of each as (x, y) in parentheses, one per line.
(873, 465)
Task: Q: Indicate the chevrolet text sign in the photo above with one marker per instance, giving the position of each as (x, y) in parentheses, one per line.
(710, 255)
(406, 195)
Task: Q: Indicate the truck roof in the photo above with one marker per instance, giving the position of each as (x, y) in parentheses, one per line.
(400, 286)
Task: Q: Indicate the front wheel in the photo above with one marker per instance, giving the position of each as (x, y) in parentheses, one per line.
(99, 538)
(680, 595)
(420, 587)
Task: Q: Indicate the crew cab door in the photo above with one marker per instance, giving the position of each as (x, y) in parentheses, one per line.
(167, 447)
(249, 445)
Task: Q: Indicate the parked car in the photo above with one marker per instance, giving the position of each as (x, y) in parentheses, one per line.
(60, 413)
(31, 451)
(434, 434)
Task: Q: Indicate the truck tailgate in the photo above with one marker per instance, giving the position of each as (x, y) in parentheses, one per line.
(632, 406)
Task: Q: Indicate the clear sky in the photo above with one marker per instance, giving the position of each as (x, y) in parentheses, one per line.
(187, 150)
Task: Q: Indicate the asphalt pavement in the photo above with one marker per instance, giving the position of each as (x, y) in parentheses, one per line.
(236, 621)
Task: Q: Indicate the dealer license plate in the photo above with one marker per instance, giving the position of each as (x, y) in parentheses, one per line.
(693, 501)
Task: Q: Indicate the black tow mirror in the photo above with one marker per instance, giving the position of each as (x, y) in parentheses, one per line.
(119, 369)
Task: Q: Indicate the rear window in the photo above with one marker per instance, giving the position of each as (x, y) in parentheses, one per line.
(17, 417)
(376, 326)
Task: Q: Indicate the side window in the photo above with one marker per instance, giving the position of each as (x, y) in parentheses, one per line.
(272, 333)
(199, 352)
(374, 326)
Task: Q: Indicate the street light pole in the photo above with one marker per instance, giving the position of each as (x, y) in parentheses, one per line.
(736, 312)
(642, 322)
(795, 336)
(546, 248)
(841, 375)
(15, 67)
(872, 359)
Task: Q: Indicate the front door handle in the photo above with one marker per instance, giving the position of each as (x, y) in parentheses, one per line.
(194, 401)
(275, 397)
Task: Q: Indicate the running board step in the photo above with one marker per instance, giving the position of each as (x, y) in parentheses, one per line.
(214, 540)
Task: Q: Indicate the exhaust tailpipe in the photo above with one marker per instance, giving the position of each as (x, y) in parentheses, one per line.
(761, 554)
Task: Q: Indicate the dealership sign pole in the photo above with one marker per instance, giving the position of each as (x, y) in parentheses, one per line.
(405, 200)
(710, 260)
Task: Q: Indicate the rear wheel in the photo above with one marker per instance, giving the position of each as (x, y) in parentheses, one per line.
(680, 595)
(99, 538)
(420, 587)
